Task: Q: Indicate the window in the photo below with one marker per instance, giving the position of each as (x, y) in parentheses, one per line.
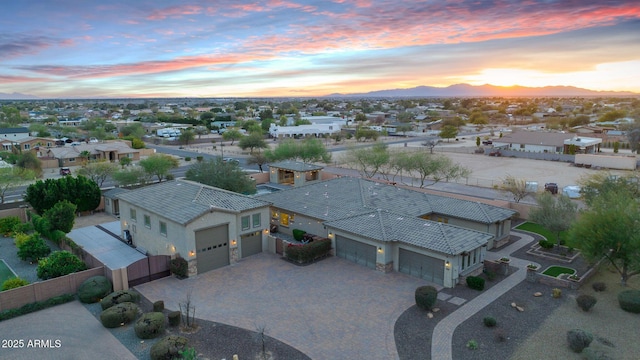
(163, 228)
(27, 146)
(274, 214)
(147, 221)
(245, 222)
(132, 214)
(521, 146)
(284, 219)
(72, 159)
(256, 220)
(107, 202)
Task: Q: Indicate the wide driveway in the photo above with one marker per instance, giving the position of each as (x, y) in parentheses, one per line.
(333, 309)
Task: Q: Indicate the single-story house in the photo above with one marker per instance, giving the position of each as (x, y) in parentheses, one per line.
(533, 141)
(111, 151)
(208, 227)
(38, 145)
(385, 227)
(582, 145)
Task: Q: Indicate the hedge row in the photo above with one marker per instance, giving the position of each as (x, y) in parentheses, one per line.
(308, 252)
(36, 306)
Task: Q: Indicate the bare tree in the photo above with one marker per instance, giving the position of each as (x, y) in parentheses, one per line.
(516, 187)
(188, 311)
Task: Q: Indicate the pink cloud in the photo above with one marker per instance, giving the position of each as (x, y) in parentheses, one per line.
(7, 79)
(174, 12)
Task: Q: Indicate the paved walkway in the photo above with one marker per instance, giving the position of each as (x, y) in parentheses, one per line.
(333, 309)
(442, 338)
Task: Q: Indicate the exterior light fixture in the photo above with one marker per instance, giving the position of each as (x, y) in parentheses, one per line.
(447, 265)
(192, 253)
(233, 243)
(380, 251)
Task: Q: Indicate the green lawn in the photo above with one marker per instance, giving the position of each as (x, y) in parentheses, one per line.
(538, 229)
(5, 272)
(555, 271)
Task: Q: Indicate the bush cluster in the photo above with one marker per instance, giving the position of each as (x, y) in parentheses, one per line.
(629, 300)
(169, 347)
(149, 325)
(59, 263)
(546, 244)
(33, 248)
(9, 223)
(308, 252)
(489, 321)
(556, 293)
(426, 297)
(158, 306)
(36, 306)
(119, 297)
(579, 339)
(174, 318)
(94, 289)
(117, 315)
(586, 302)
(13, 283)
(179, 267)
(475, 282)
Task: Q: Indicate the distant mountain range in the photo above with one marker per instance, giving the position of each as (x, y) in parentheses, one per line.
(17, 96)
(466, 90)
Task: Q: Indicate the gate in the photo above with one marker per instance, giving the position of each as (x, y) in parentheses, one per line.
(148, 269)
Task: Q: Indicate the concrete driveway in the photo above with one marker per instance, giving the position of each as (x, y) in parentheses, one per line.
(333, 309)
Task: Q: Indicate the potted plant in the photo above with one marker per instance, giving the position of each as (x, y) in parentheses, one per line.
(505, 260)
(532, 267)
(574, 277)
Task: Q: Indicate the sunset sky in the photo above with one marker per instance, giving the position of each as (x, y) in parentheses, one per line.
(236, 48)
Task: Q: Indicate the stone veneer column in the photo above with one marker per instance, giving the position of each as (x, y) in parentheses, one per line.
(234, 255)
(385, 268)
(193, 267)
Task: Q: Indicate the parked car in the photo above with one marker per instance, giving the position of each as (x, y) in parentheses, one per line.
(230, 160)
(65, 171)
(487, 142)
(551, 187)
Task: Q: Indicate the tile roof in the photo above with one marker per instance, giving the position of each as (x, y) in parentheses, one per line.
(183, 201)
(19, 130)
(113, 193)
(389, 226)
(347, 196)
(535, 138)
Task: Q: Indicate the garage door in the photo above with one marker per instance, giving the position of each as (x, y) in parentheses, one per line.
(212, 248)
(251, 244)
(360, 253)
(421, 266)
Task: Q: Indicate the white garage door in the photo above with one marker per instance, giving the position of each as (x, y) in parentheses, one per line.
(421, 266)
(360, 253)
(212, 248)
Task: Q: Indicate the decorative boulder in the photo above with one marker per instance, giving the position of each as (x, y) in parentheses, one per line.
(93, 289)
(168, 347)
(119, 315)
(150, 325)
(118, 297)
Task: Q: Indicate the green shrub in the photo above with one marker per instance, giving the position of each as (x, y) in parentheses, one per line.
(41, 225)
(149, 325)
(426, 297)
(179, 267)
(308, 252)
(26, 228)
(118, 315)
(599, 286)
(199, 158)
(546, 244)
(20, 238)
(489, 321)
(187, 158)
(579, 339)
(94, 289)
(586, 302)
(34, 248)
(59, 263)
(57, 236)
(629, 300)
(36, 306)
(13, 283)
(61, 216)
(158, 306)
(556, 293)
(298, 234)
(8, 223)
(475, 282)
(119, 297)
(168, 348)
(472, 345)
